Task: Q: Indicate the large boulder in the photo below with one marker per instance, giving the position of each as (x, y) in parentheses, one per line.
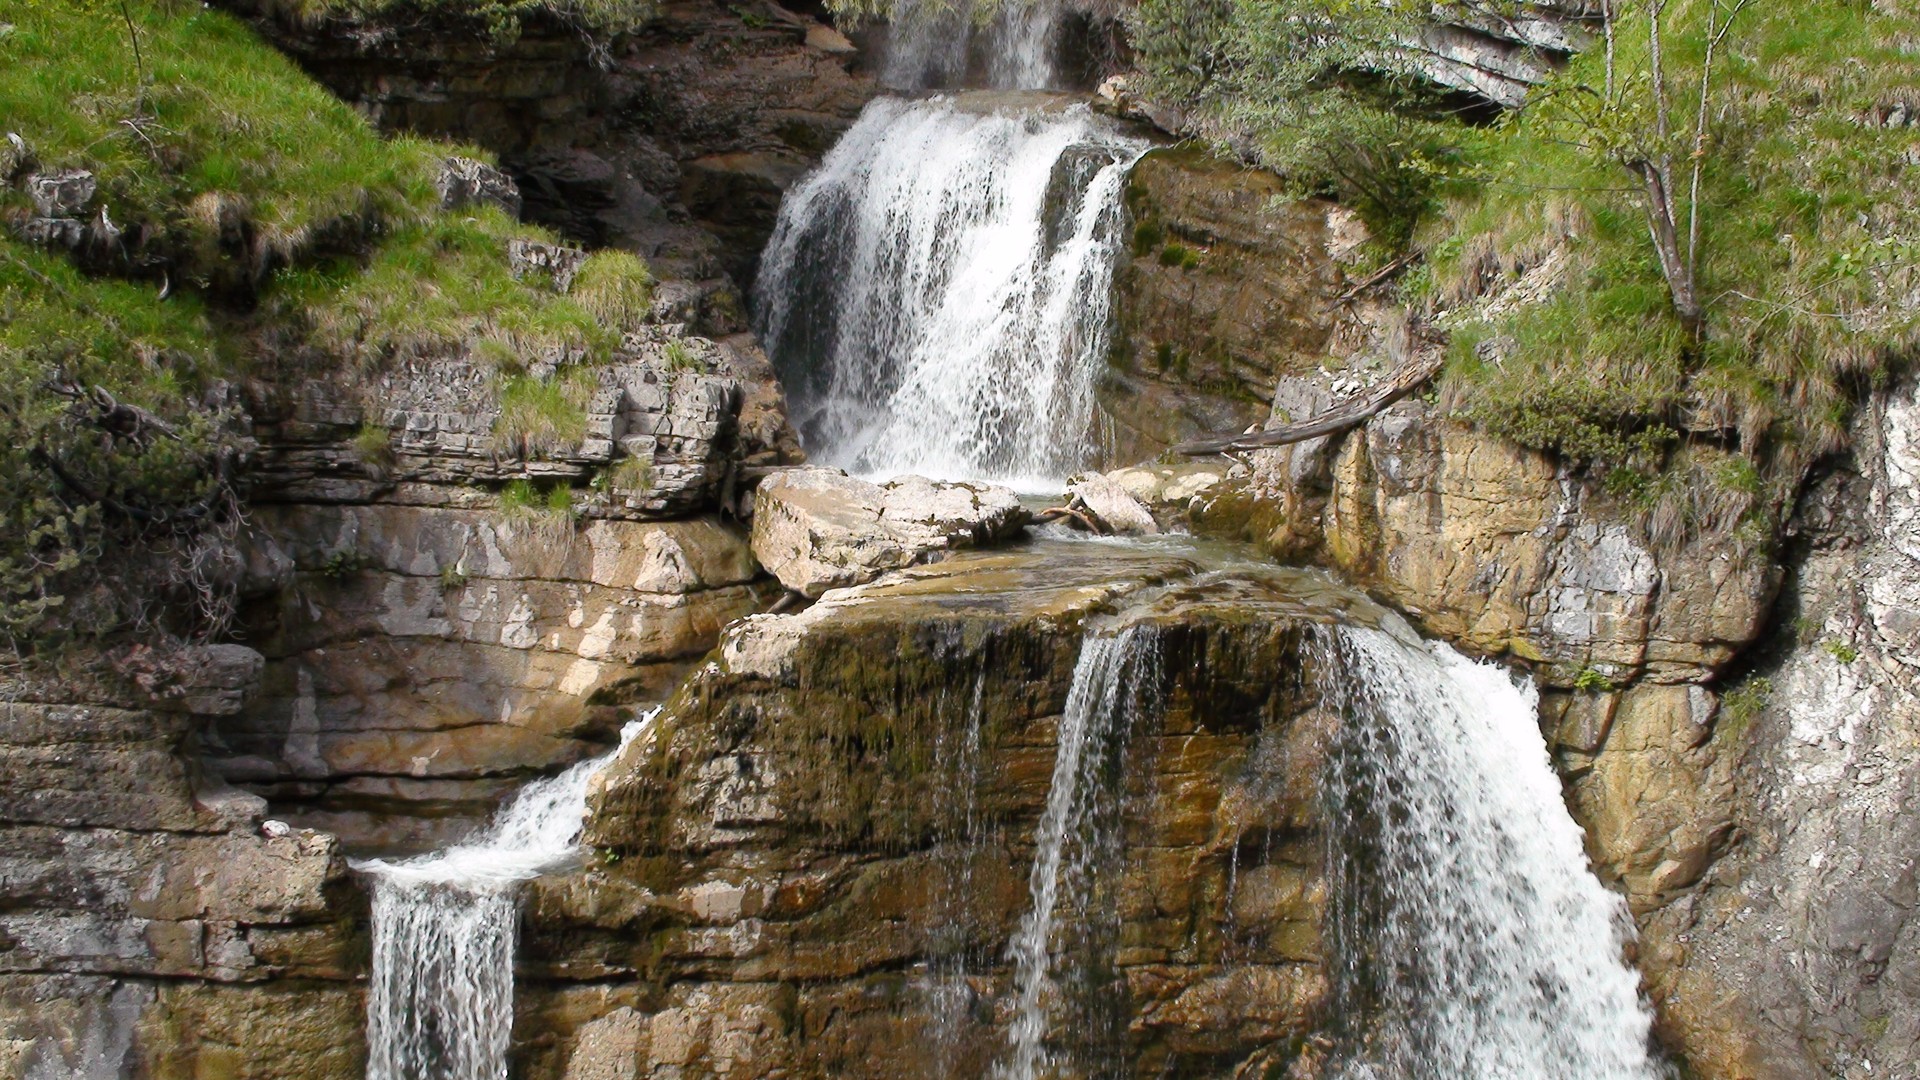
(817, 529)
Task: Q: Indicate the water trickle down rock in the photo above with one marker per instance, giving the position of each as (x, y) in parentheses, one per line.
(1468, 926)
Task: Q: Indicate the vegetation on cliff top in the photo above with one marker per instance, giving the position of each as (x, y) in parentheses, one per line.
(240, 211)
(1780, 290)
(501, 19)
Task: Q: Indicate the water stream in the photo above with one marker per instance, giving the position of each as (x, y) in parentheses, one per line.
(1473, 940)
(1113, 679)
(938, 294)
(440, 1004)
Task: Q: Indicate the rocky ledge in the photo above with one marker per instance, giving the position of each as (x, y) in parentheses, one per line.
(813, 863)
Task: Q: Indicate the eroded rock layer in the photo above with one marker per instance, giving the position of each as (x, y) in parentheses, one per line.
(815, 864)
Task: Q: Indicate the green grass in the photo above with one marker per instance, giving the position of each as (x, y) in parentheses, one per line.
(266, 216)
(1810, 240)
(443, 283)
(502, 19)
(544, 415)
(211, 138)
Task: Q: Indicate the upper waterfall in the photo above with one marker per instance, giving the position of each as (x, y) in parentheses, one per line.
(938, 294)
(930, 44)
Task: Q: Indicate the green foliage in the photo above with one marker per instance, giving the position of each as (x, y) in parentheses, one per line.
(342, 564)
(210, 139)
(629, 475)
(520, 497)
(682, 357)
(1808, 240)
(1840, 650)
(374, 445)
(502, 20)
(1317, 87)
(1179, 257)
(1592, 680)
(434, 288)
(1743, 704)
(614, 287)
(452, 578)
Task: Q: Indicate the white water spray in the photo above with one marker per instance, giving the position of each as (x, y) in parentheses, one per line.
(938, 294)
(440, 1006)
(1109, 681)
(1476, 943)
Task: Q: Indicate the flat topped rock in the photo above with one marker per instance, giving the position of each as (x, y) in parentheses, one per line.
(817, 529)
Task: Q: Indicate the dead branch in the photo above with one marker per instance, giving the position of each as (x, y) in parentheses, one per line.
(1349, 414)
(1377, 277)
(1086, 521)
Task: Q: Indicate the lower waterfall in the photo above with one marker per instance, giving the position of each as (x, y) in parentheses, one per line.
(440, 1004)
(1472, 940)
(938, 294)
(1114, 675)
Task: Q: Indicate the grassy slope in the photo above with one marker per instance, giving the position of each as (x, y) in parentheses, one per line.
(1810, 240)
(264, 203)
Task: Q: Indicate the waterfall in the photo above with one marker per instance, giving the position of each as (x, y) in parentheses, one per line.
(938, 294)
(1078, 830)
(440, 1006)
(1473, 941)
(929, 44)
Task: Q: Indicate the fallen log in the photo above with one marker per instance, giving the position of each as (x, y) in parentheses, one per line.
(1349, 414)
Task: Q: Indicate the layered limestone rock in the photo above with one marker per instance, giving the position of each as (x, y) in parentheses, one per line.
(813, 863)
(423, 661)
(1789, 949)
(670, 409)
(817, 529)
(150, 928)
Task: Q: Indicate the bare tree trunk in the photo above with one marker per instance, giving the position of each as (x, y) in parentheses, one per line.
(1674, 264)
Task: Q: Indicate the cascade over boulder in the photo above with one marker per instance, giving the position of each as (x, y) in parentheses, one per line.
(817, 529)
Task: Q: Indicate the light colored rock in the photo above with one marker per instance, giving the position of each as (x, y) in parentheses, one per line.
(817, 529)
(607, 1048)
(464, 182)
(1114, 505)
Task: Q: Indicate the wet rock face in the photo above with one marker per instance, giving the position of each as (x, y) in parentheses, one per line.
(817, 528)
(814, 864)
(1225, 290)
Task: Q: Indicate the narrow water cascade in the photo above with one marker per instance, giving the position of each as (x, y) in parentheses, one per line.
(1078, 833)
(938, 294)
(1473, 941)
(440, 1003)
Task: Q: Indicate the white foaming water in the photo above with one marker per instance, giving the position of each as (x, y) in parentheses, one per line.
(440, 1006)
(1475, 942)
(938, 294)
(1108, 680)
(929, 41)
